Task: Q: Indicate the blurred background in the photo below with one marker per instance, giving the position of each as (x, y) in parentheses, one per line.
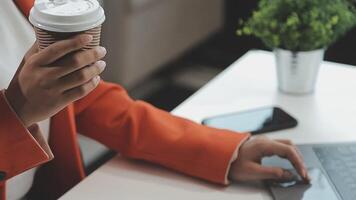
(162, 51)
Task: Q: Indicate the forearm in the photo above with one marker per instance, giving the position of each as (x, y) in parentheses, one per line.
(138, 130)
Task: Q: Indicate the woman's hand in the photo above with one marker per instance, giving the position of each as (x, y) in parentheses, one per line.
(248, 166)
(51, 79)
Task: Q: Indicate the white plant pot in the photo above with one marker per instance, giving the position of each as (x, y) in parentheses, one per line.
(297, 71)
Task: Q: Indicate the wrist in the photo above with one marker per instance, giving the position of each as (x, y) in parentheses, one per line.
(235, 164)
(16, 106)
(236, 159)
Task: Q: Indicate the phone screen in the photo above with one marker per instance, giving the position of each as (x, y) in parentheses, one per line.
(254, 121)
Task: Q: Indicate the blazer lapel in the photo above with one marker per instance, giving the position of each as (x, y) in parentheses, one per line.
(2, 190)
(64, 144)
(66, 169)
(25, 7)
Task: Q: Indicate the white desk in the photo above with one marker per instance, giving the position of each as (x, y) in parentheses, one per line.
(329, 115)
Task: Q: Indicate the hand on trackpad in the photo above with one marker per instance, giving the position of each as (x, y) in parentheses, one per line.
(319, 188)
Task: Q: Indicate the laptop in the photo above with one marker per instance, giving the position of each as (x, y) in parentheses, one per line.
(332, 168)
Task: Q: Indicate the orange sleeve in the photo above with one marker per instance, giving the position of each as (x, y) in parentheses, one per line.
(20, 148)
(138, 130)
(25, 6)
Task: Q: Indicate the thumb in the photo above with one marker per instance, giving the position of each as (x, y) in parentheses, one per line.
(32, 50)
(267, 173)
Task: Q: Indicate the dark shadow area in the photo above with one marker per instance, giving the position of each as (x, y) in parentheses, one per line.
(169, 96)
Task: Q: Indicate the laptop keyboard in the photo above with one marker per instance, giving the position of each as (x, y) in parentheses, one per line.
(340, 164)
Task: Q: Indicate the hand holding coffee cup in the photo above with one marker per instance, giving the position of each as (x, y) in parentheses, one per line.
(66, 68)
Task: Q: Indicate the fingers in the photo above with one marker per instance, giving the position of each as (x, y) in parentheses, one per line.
(81, 91)
(61, 48)
(251, 171)
(267, 173)
(286, 151)
(73, 62)
(288, 142)
(80, 77)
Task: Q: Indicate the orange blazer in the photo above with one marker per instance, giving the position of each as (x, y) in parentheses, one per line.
(134, 128)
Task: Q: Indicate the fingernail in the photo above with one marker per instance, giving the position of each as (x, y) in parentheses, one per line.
(305, 175)
(101, 51)
(87, 38)
(101, 64)
(308, 178)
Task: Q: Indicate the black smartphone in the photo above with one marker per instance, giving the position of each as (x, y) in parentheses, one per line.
(255, 121)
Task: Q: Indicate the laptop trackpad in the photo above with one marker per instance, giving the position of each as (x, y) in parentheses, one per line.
(319, 188)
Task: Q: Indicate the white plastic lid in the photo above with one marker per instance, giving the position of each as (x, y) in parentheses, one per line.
(67, 15)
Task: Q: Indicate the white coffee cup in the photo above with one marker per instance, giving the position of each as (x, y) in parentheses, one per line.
(56, 20)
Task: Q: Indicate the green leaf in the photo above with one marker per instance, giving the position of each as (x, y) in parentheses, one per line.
(300, 25)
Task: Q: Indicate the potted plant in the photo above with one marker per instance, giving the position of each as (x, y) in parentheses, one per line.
(299, 31)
